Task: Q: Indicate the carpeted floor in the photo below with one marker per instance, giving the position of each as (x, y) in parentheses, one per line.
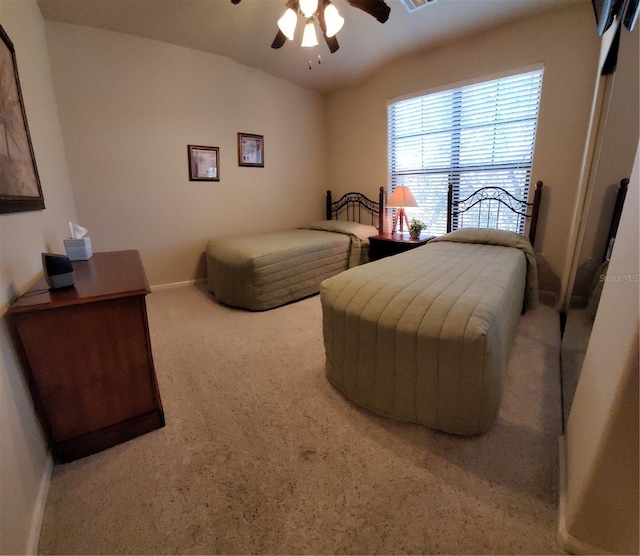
(261, 455)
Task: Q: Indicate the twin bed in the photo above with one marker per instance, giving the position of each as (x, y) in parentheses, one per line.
(425, 335)
(260, 272)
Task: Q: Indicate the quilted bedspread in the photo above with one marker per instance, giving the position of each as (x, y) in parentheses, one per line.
(263, 271)
(425, 335)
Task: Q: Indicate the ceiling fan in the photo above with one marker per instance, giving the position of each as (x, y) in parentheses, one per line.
(328, 18)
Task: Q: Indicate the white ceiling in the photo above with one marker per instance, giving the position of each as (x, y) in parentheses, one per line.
(244, 32)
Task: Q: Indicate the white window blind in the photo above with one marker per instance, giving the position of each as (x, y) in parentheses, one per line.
(473, 136)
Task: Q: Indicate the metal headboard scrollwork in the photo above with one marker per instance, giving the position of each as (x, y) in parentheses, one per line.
(356, 207)
(615, 218)
(495, 197)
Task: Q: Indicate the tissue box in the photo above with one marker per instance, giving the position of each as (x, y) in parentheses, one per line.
(78, 249)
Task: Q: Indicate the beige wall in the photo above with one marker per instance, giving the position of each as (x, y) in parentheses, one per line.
(568, 46)
(24, 461)
(129, 107)
(600, 498)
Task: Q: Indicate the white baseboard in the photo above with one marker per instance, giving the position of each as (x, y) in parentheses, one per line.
(566, 541)
(172, 285)
(39, 506)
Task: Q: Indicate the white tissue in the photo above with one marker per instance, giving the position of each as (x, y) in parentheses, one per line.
(77, 231)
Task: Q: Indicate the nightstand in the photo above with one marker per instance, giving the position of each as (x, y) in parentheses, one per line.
(87, 356)
(385, 245)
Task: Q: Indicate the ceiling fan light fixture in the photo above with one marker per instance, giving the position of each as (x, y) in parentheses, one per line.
(330, 20)
(308, 7)
(333, 20)
(287, 23)
(309, 38)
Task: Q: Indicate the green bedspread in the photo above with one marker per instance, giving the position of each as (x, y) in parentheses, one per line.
(359, 235)
(488, 236)
(425, 335)
(263, 271)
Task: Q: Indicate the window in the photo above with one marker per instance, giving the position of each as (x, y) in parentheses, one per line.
(472, 136)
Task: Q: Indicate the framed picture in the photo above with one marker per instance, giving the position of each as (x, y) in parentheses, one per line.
(204, 163)
(250, 150)
(20, 188)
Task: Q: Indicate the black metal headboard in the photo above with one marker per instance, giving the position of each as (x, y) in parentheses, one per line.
(491, 194)
(358, 208)
(615, 218)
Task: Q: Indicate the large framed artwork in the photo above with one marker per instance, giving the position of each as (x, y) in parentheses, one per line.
(20, 188)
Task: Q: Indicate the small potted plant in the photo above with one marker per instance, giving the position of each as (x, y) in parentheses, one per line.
(415, 228)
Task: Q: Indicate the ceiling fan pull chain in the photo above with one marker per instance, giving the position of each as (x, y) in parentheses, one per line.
(319, 62)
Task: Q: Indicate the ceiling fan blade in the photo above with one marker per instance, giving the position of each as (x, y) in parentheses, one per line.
(279, 40)
(376, 8)
(332, 43)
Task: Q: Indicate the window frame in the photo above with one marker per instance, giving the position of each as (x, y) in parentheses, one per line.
(454, 170)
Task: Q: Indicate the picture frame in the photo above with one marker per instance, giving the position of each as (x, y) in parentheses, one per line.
(204, 163)
(20, 188)
(250, 150)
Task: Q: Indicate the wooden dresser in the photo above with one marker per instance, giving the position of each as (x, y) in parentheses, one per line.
(87, 355)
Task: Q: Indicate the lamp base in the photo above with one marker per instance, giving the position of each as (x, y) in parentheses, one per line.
(401, 216)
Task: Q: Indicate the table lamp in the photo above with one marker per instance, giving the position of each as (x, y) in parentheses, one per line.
(400, 198)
